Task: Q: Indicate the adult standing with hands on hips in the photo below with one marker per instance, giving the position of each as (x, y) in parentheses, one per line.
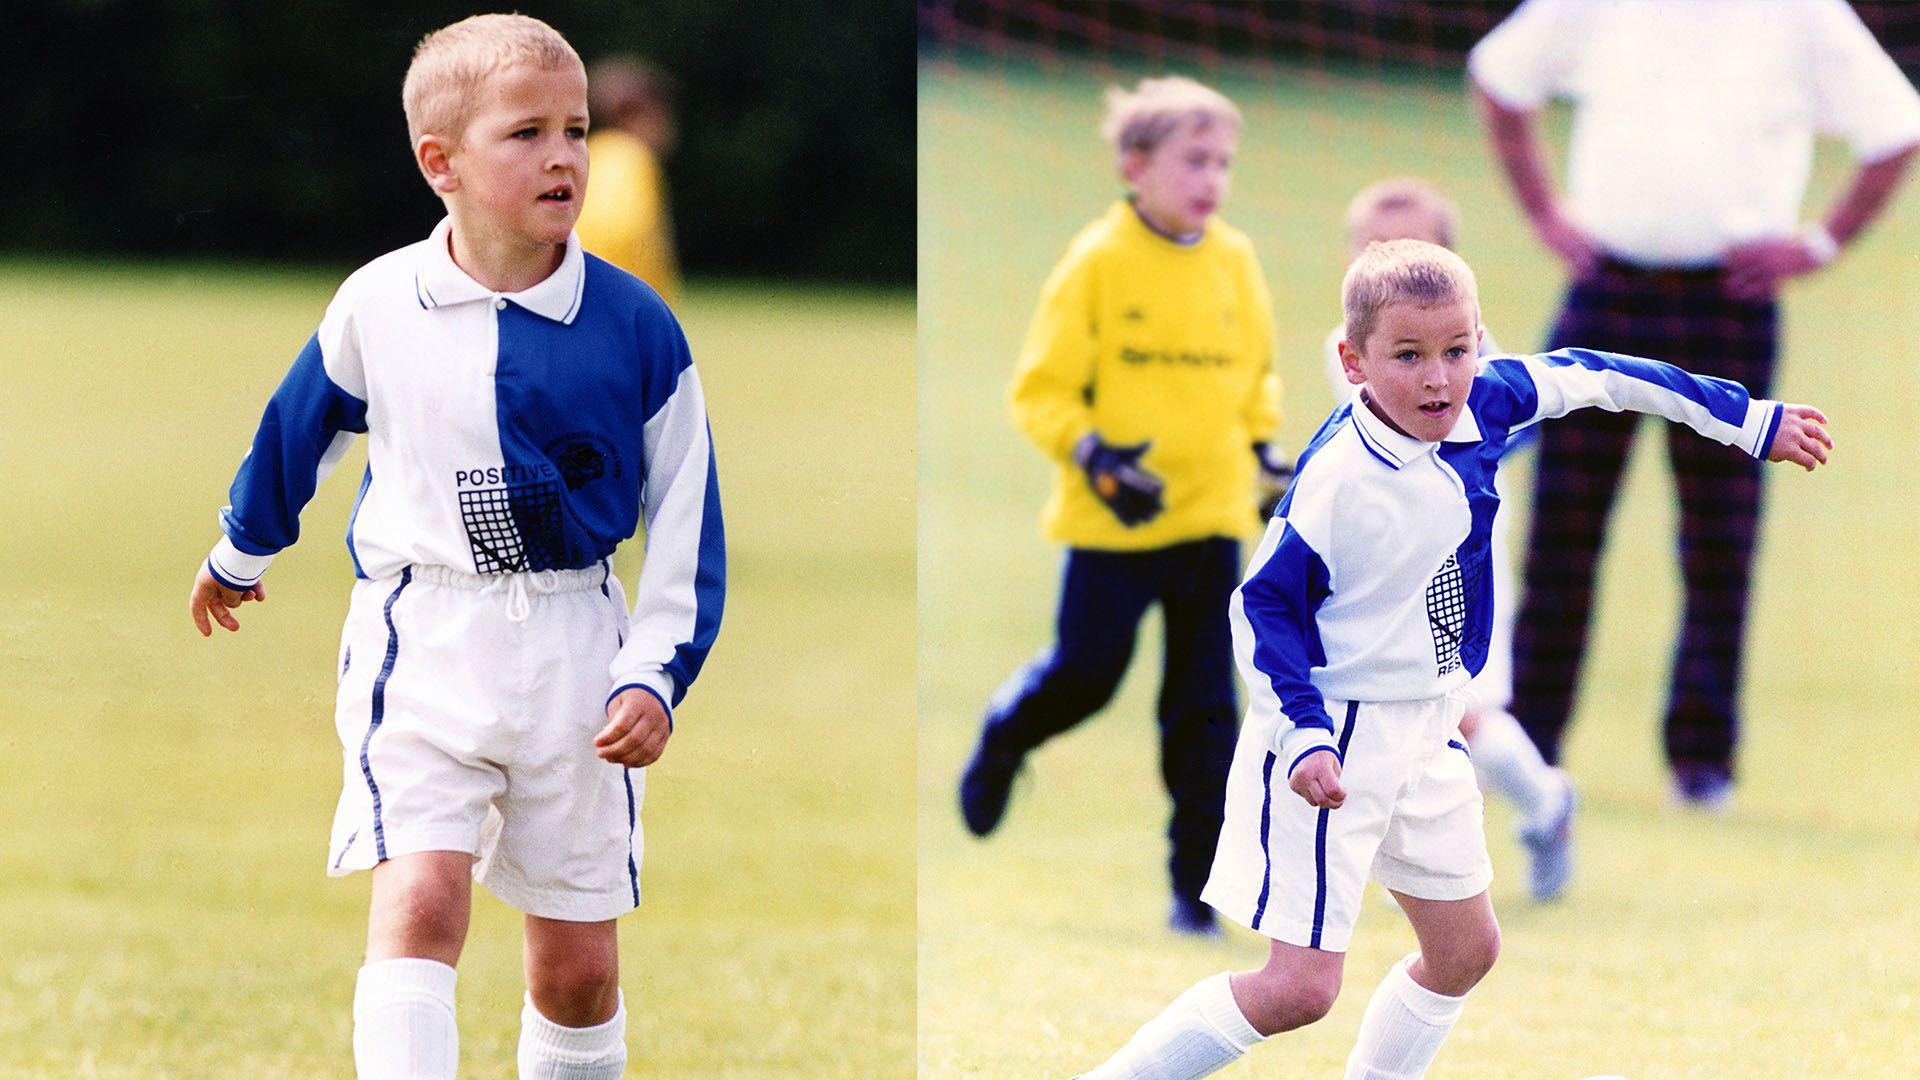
(1691, 147)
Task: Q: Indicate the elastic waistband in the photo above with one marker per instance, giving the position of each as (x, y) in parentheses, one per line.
(538, 582)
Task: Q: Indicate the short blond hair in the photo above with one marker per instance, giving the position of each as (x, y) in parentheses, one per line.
(1399, 195)
(1402, 271)
(450, 65)
(1148, 115)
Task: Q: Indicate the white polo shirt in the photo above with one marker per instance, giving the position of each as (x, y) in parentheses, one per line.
(1694, 121)
(1372, 581)
(507, 432)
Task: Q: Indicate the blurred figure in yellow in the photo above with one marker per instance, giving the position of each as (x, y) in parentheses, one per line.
(625, 219)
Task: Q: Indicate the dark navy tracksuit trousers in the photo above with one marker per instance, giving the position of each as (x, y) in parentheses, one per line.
(1102, 599)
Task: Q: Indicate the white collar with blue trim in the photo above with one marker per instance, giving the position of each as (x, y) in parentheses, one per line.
(439, 282)
(1396, 449)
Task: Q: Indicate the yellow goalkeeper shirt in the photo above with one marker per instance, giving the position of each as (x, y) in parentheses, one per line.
(624, 219)
(1141, 338)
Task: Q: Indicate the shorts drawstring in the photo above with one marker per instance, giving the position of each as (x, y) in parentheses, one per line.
(544, 582)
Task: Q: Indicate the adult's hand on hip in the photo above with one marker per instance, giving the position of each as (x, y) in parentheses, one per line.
(1757, 268)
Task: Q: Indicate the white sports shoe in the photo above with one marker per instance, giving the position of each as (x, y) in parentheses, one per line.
(1550, 847)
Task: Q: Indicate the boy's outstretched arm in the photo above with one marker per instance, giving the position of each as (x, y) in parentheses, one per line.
(212, 599)
(1802, 438)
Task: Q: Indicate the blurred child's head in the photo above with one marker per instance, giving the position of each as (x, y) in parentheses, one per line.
(1399, 209)
(497, 109)
(1175, 140)
(631, 94)
(1412, 333)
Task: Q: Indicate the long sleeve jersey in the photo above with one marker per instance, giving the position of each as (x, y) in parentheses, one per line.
(1372, 581)
(1145, 339)
(506, 433)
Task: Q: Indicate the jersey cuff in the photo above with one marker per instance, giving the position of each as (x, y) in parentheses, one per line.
(1763, 423)
(657, 683)
(235, 568)
(1297, 742)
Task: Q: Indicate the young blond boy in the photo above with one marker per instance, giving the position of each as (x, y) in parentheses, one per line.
(1505, 759)
(1364, 613)
(526, 406)
(1147, 378)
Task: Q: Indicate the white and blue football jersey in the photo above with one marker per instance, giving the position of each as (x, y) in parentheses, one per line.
(507, 433)
(1372, 582)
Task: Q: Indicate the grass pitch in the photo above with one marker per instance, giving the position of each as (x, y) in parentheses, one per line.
(162, 893)
(1776, 942)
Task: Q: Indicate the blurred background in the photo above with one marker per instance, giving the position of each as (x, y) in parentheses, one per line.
(1772, 942)
(203, 175)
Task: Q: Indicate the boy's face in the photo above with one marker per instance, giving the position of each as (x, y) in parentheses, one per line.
(1181, 183)
(1418, 364)
(520, 167)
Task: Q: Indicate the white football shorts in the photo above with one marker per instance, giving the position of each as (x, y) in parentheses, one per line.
(466, 728)
(1412, 820)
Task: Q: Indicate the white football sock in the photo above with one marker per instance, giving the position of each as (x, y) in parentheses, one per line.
(1201, 1032)
(403, 1021)
(1403, 1028)
(551, 1052)
(1509, 765)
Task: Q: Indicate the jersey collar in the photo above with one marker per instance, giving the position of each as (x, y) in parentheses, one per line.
(438, 282)
(1395, 449)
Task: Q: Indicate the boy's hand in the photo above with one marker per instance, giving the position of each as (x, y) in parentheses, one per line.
(1114, 473)
(1802, 438)
(1317, 780)
(636, 731)
(1276, 472)
(210, 598)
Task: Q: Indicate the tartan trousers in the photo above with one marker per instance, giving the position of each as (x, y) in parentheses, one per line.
(1683, 317)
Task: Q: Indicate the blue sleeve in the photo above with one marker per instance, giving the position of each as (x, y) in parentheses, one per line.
(278, 477)
(1280, 602)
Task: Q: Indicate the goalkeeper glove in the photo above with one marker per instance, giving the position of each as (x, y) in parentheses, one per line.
(1114, 473)
(1276, 472)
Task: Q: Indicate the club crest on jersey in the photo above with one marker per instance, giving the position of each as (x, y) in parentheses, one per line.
(583, 457)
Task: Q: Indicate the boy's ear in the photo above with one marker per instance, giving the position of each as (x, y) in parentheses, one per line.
(434, 155)
(1133, 165)
(1350, 362)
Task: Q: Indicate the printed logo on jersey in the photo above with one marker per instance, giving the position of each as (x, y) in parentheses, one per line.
(583, 457)
(1447, 614)
(1137, 357)
(512, 516)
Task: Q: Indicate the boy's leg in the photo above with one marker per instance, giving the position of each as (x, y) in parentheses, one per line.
(1102, 597)
(1222, 1016)
(573, 1025)
(1418, 1002)
(403, 1010)
(1198, 714)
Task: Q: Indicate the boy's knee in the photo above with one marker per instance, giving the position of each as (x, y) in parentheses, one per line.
(1277, 1001)
(576, 989)
(1464, 961)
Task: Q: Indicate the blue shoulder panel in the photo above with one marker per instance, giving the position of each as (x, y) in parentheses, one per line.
(573, 401)
(280, 472)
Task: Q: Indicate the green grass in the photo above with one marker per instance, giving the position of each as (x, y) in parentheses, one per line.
(1776, 942)
(162, 892)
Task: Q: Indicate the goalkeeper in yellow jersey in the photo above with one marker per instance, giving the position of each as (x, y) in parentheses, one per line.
(1147, 377)
(624, 219)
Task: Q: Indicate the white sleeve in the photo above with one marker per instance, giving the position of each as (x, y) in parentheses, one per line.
(1859, 94)
(682, 585)
(1530, 56)
(1721, 410)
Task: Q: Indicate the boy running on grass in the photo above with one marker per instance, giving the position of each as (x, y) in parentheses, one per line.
(526, 407)
(1504, 758)
(1364, 613)
(1148, 378)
